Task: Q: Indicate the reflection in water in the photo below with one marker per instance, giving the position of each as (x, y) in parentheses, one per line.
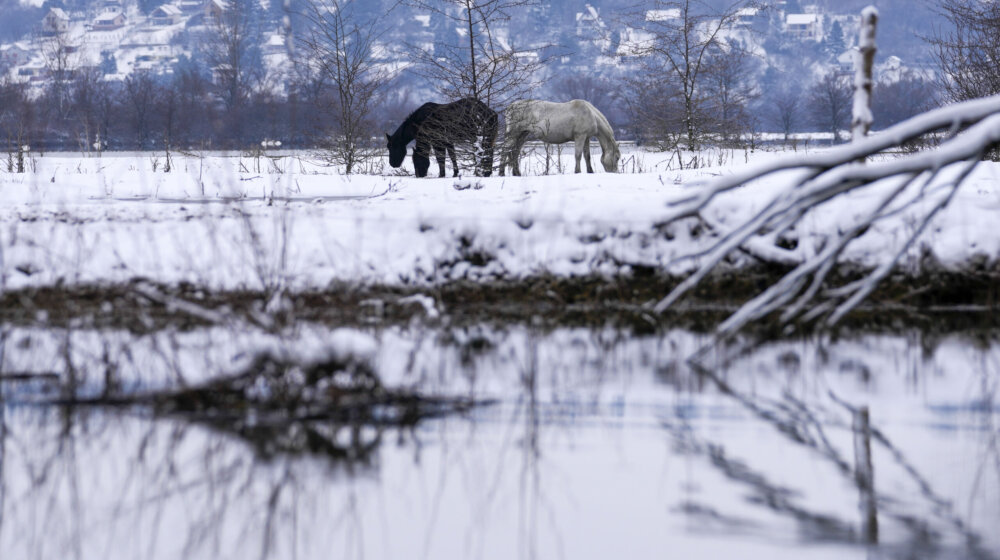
(601, 444)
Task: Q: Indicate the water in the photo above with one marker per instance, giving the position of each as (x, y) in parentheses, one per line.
(600, 443)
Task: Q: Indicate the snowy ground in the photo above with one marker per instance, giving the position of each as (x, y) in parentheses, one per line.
(225, 221)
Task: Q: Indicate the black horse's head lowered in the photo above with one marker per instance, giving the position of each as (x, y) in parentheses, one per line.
(397, 151)
(406, 133)
(439, 128)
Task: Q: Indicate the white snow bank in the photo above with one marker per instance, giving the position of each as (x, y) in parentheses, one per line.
(240, 222)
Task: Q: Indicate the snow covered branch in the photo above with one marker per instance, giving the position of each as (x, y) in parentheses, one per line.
(903, 181)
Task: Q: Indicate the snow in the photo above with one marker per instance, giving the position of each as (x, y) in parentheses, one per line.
(226, 221)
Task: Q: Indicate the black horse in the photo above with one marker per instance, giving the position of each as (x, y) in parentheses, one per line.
(441, 127)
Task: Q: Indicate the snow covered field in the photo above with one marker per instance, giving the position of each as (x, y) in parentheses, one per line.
(228, 221)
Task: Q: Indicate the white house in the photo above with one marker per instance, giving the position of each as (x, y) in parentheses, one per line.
(15, 54)
(805, 27)
(592, 30)
(663, 15)
(214, 10)
(589, 22)
(32, 72)
(109, 21)
(747, 17)
(167, 14)
(274, 44)
(634, 42)
(55, 22)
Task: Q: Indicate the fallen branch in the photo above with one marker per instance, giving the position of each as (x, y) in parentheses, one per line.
(802, 292)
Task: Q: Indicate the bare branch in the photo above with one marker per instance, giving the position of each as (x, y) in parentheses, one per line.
(825, 176)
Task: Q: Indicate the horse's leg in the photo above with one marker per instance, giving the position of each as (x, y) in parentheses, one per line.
(454, 159)
(578, 144)
(515, 153)
(421, 158)
(515, 159)
(586, 154)
(439, 152)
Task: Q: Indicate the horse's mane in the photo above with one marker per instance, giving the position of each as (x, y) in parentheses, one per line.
(426, 106)
(601, 119)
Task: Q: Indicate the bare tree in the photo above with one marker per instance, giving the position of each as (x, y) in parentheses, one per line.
(91, 106)
(139, 98)
(16, 119)
(897, 100)
(731, 89)
(656, 110)
(194, 103)
(483, 62)
(785, 110)
(339, 58)
(60, 58)
(830, 104)
(233, 51)
(168, 100)
(968, 53)
(679, 41)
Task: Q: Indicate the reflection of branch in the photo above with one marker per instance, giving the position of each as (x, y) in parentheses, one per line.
(792, 419)
(941, 507)
(779, 499)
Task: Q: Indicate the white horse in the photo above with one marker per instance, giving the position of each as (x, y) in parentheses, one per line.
(557, 123)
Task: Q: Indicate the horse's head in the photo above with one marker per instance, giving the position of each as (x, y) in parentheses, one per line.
(609, 159)
(397, 151)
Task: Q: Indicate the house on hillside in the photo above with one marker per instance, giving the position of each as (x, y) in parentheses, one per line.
(274, 44)
(891, 70)
(14, 54)
(748, 17)
(32, 72)
(191, 7)
(591, 30)
(214, 10)
(846, 62)
(589, 22)
(167, 14)
(633, 43)
(664, 16)
(108, 21)
(55, 22)
(805, 27)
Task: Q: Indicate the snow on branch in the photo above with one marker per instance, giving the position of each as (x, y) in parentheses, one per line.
(904, 181)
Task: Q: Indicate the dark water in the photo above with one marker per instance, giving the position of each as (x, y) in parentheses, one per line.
(599, 444)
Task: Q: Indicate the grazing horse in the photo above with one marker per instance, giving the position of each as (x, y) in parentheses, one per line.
(441, 127)
(557, 123)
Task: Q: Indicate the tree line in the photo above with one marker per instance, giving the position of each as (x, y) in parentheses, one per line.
(692, 82)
